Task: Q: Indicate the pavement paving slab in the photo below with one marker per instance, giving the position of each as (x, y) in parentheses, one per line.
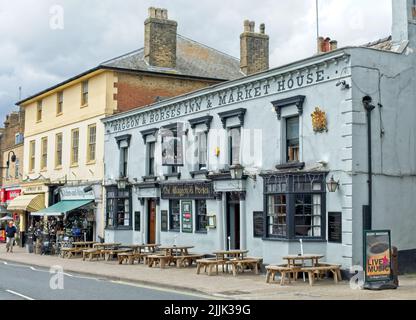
(224, 286)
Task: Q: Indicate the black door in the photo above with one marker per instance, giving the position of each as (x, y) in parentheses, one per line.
(233, 221)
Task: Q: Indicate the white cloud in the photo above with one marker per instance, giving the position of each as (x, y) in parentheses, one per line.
(34, 56)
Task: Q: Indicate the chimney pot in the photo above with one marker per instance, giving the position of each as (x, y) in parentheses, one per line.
(159, 13)
(333, 45)
(252, 26)
(263, 28)
(152, 12)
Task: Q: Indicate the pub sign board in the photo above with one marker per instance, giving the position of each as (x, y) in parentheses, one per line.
(335, 227)
(187, 217)
(377, 256)
(203, 190)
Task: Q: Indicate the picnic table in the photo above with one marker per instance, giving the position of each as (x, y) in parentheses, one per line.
(83, 244)
(178, 255)
(176, 250)
(231, 254)
(106, 245)
(139, 253)
(293, 259)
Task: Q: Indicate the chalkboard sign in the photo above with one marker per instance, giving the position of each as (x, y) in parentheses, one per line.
(164, 222)
(335, 227)
(187, 217)
(137, 221)
(258, 224)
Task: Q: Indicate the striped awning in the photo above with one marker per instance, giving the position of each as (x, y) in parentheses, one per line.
(31, 203)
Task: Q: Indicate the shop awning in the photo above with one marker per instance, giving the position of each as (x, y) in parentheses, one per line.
(62, 207)
(31, 203)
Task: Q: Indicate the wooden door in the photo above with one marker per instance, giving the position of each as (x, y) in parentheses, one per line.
(152, 221)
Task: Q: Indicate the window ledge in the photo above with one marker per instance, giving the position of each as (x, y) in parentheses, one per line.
(149, 178)
(84, 106)
(44, 170)
(294, 165)
(175, 231)
(59, 114)
(74, 165)
(90, 163)
(172, 175)
(294, 240)
(199, 172)
(58, 168)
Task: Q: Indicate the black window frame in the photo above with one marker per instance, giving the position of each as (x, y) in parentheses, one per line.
(198, 216)
(151, 170)
(112, 211)
(284, 184)
(171, 216)
(292, 142)
(202, 152)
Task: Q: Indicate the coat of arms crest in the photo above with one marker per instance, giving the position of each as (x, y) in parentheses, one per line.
(319, 120)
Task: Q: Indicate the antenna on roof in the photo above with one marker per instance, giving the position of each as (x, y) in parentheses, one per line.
(317, 24)
(20, 93)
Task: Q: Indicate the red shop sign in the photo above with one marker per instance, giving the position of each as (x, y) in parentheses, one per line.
(10, 195)
(3, 195)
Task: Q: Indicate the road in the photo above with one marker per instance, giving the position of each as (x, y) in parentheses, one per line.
(19, 282)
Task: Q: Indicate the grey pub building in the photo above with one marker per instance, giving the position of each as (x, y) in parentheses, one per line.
(280, 155)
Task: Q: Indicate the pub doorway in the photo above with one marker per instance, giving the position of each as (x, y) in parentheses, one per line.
(151, 221)
(233, 221)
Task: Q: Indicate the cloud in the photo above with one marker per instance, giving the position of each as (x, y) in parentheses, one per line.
(34, 56)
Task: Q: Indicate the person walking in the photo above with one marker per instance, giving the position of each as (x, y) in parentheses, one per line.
(11, 231)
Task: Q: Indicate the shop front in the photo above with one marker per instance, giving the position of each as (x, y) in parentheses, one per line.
(31, 198)
(71, 218)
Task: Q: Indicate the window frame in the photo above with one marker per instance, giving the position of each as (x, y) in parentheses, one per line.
(198, 216)
(74, 163)
(59, 103)
(151, 170)
(90, 145)
(231, 148)
(292, 142)
(113, 213)
(32, 155)
(290, 193)
(202, 152)
(57, 151)
(85, 94)
(44, 154)
(171, 215)
(39, 111)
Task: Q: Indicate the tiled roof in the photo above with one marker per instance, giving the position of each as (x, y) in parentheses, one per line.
(193, 59)
(384, 44)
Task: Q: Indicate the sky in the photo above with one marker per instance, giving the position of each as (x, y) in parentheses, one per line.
(43, 42)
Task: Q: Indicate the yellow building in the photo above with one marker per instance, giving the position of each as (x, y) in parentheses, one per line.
(64, 135)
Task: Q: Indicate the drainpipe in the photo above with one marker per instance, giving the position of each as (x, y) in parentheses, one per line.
(369, 108)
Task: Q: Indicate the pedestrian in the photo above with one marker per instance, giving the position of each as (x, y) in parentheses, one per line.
(11, 231)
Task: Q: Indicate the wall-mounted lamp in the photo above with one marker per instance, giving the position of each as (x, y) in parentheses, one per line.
(122, 183)
(13, 159)
(237, 172)
(332, 185)
(344, 85)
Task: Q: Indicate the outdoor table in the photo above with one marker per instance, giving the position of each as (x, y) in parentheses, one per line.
(292, 259)
(231, 254)
(149, 248)
(176, 250)
(85, 244)
(105, 246)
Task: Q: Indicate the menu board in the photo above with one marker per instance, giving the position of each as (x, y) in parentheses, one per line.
(187, 217)
(335, 227)
(258, 226)
(377, 256)
(164, 220)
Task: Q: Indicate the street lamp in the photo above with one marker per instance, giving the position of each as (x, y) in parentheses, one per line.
(237, 172)
(332, 185)
(12, 159)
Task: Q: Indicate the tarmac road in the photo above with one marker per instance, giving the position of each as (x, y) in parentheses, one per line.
(19, 282)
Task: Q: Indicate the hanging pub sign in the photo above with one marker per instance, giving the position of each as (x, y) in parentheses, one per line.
(187, 217)
(377, 255)
(202, 190)
(172, 142)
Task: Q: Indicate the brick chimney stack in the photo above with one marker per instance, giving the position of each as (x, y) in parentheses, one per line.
(160, 39)
(326, 45)
(254, 49)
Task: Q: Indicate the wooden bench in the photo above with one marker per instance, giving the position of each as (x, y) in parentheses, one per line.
(70, 252)
(312, 271)
(108, 253)
(242, 264)
(91, 253)
(186, 261)
(283, 270)
(209, 264)
(131, 257)
(154, 260)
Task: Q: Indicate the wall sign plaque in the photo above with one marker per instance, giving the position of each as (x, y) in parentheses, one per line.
(203, 190)
(258, 220)
(187, 217)
(164, 220)
(335, 227)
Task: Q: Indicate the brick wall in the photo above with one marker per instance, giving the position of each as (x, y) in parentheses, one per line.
(136, 91)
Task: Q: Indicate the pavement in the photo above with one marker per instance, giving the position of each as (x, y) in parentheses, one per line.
(224, 286)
